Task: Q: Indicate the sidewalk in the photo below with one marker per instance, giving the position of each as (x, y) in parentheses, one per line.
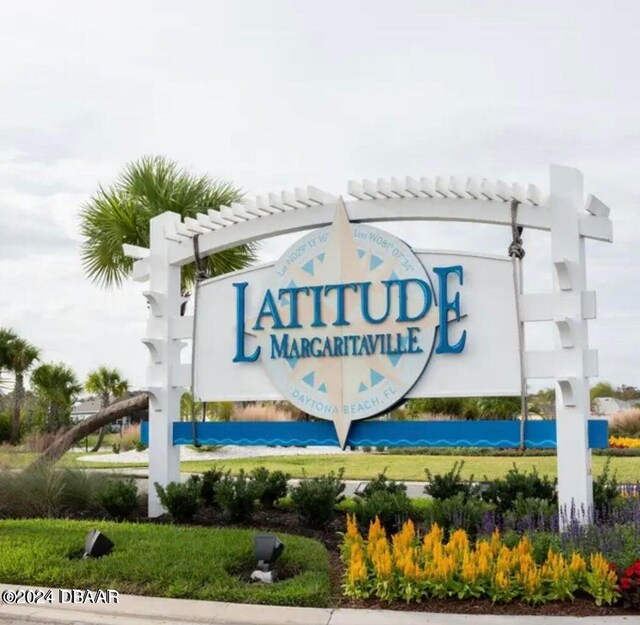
(133, 610)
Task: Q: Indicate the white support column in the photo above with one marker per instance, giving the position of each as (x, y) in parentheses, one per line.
(575, 485)
(164, 399)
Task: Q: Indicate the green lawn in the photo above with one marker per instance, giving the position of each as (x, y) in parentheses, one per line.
(361, 466)
(411, 467)
(160, 560)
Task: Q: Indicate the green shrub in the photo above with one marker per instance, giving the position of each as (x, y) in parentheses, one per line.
(392, 508)
(315, 499)
(450, 484)
(5, 427)
(458, 512)
(271, 485)
(503, 492)
(531, 512)
(210, 479)
(380, 484)
(119, 497)
(236, 496)
(139, 446)
(181, 501)
(115, 448)
(606, 490)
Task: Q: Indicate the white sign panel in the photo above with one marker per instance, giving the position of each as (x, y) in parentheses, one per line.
(350, 321)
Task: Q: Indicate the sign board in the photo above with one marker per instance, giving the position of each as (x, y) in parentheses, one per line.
(350, 321)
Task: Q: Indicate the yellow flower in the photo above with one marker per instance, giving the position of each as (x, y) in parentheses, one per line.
(458, 543)
(433, 538)
(496, 542)
(357, 567)
(502, 580)
(577, 564)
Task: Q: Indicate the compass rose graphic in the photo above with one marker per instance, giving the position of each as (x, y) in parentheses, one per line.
(360, 382)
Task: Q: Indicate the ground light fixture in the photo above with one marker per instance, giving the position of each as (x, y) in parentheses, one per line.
(267, 548)
(97, 545)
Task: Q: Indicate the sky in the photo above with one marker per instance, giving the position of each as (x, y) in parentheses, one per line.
(274, 95)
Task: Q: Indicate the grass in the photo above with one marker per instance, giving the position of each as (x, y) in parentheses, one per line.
(409, 467)
(359, 466)
(160, 560)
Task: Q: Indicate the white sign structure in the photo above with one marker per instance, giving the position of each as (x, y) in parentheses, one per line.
(351, 320)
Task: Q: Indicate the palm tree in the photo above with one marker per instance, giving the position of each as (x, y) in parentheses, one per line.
(108, 384)
(7, 336)
(121, 213)
(21, 357)
(57, 387)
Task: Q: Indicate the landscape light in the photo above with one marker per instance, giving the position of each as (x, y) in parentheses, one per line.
(267, 548)
(97, 545)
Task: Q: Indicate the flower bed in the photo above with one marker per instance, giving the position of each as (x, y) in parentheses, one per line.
(412, 568)
(624, 442)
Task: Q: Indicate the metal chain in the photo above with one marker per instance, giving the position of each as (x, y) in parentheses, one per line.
(201, 273)
(517, 253)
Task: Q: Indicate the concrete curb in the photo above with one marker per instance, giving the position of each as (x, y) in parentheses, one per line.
(136, 610)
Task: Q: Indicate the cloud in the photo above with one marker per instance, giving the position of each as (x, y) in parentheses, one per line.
(282, 94)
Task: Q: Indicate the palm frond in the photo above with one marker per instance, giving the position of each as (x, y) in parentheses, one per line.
(121, 213)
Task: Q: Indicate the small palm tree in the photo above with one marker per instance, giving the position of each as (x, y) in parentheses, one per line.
(57, 387)
(21, 357)
(108, 384)
(121, 214)
(7, 336)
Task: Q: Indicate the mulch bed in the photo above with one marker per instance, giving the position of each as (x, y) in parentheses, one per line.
(273, 521)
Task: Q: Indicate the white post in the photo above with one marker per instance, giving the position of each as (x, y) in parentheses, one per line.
(574, 360)
(164, 398)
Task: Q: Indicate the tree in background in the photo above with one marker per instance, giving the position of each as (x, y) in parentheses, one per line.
(57, 387)
(108, 384)
(458, 407)
(601, 389)
(544, 403)
(21, 357)
(7, 336)
(121, 213)
(499, 407)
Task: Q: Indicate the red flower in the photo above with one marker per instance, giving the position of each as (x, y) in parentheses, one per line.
(629, 571)
(625, 583)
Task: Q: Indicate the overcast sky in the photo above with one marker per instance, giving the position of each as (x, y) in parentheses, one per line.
(275, 94)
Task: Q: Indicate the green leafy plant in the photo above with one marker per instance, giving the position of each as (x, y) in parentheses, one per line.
(181, 501)
(504, 492)
(381, 483)
(391, 508)
(458, 512)
(119, 497)
(606, 491)
(315, 499)
(450, 484)
(236, 496)
(271, 485)
(210, 479)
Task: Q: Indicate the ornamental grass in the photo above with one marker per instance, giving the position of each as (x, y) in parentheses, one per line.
(409, 567)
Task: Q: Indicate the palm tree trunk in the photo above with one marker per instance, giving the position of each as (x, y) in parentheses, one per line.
(111, 413)
(103, 429)
(101, 433)
(18, 400)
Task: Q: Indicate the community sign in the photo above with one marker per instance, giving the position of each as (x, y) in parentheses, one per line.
(350, 321)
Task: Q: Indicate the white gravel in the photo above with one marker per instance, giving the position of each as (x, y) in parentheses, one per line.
(224, 453)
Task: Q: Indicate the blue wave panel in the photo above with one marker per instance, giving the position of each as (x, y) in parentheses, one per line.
(538, 434)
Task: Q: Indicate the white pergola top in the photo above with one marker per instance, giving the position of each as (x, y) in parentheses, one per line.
(394, 199)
